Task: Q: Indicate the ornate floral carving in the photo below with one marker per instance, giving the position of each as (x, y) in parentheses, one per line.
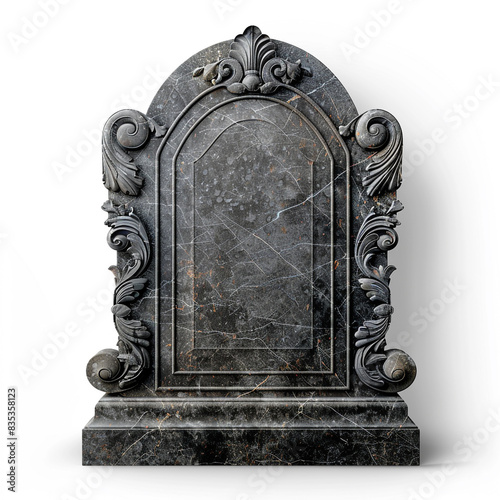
(252, 66)
(379, 131)
(114, 370)
(125, 130)
(385, 370)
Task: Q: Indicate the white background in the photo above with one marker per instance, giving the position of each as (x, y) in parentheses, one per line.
(425, 61)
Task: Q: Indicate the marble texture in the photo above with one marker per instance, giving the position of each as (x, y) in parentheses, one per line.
(254, 201)
(251, 204)
(251, 431)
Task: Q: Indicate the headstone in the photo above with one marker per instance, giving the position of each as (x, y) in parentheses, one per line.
(252, 208)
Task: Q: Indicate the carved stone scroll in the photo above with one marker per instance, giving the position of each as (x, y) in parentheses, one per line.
(378, 131)
(114, 370)
(392, 370)
(124, 131)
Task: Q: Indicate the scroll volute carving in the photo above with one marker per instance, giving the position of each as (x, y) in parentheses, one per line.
(112, 370)
(379, 132)
(384, 370)
(124, 131)
(118, 370)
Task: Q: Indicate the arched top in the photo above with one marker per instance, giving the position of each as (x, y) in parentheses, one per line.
(253, 63)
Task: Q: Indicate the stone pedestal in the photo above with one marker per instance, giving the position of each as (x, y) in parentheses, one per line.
(251, 431)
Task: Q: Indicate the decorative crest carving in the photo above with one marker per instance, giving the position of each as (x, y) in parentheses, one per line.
(252, 66)
(113, 370)
(379, 131)
(125, 130)
(392, 370)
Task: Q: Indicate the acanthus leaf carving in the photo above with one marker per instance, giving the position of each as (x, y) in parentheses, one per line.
(252, 66)
(125, 130)
(385, 370)
(113, 370)
(377, 130)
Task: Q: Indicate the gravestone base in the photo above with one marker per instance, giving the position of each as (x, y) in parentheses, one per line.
(251, 431)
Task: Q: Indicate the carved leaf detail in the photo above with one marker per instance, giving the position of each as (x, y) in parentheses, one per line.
(111, 370)
(269, 88)
(252, 49)
(198, 72)
(209, 72)
(236, 88)
(252, 66)
(387, 371)
(379, 131)
(120, 310)
(125, 130)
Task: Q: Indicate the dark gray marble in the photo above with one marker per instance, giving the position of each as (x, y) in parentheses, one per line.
(251, 431)
(252, 210)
